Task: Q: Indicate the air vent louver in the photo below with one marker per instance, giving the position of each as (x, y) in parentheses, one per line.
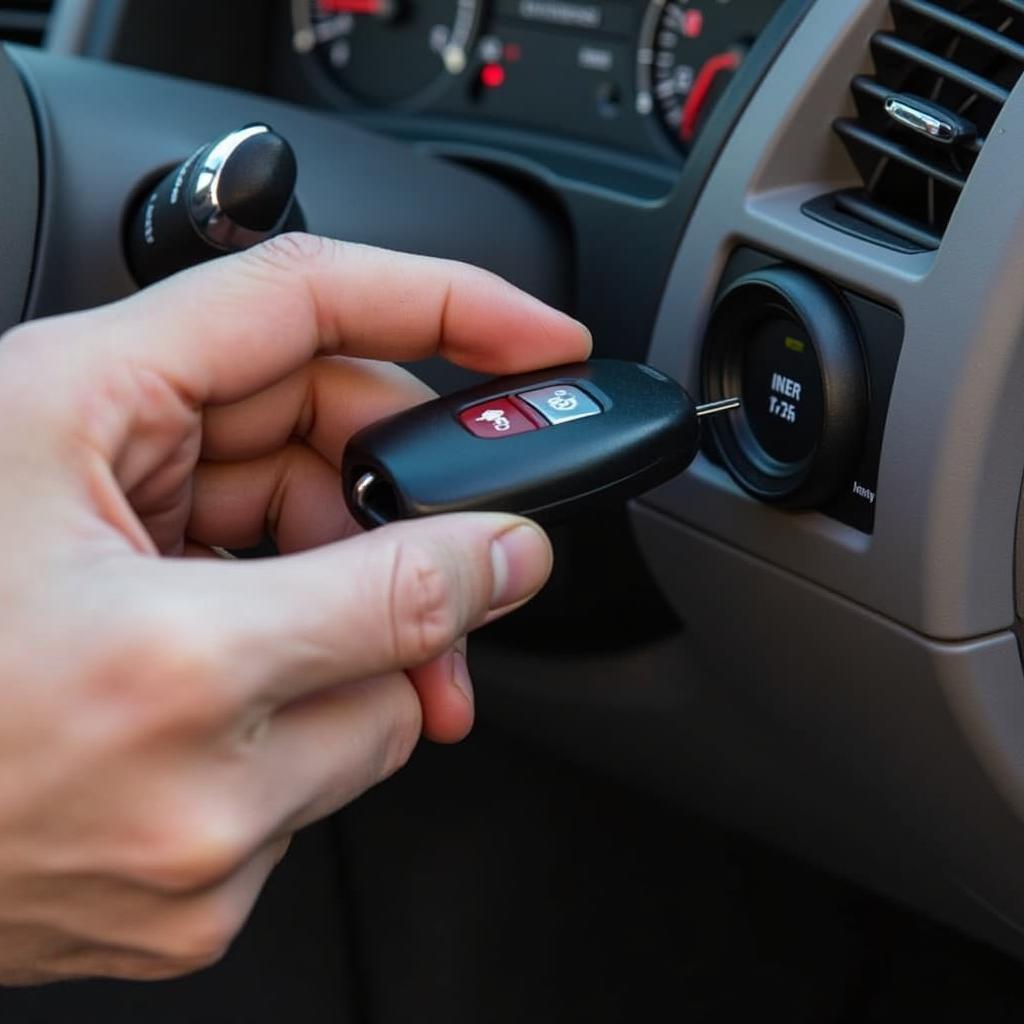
(944, 73)
(24, 21)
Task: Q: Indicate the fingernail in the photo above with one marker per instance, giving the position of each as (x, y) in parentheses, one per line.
(461, 678)
(520, 562)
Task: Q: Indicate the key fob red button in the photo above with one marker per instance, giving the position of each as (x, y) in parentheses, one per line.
(498, 418)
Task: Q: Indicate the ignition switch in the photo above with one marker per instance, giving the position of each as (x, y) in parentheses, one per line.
(784, 342)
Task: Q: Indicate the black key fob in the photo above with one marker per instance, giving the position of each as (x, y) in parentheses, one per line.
(545, 445)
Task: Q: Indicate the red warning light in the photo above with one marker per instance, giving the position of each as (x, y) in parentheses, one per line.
(693, 23)
(492, 75)
(350, 6)
(513, 52)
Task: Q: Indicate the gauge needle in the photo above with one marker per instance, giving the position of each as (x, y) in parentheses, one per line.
(380, 8)
(713, 67)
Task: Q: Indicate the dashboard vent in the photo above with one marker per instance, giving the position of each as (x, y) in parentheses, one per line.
(940, 80)
(24, 21)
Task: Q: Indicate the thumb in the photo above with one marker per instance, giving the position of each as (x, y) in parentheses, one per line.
(384, 601)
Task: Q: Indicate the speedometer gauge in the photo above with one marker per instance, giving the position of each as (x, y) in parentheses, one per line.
(387, 52)
(688, 52)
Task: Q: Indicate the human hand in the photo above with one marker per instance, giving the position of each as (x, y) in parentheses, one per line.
(167, 723)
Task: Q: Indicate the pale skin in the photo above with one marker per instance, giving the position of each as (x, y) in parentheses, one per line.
(169, 718)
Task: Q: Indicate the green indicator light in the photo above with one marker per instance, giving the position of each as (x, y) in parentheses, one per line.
(795, 345)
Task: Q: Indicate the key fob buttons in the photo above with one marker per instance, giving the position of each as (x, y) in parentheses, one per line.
(561, 403)
(529, 410)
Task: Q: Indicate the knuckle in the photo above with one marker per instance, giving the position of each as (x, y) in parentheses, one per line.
(168, 666)
(294, 248)
(182, 659)
(196, 856)
(423, 603)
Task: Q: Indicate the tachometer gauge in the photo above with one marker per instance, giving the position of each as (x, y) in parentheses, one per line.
(387, 52)
(688, 52)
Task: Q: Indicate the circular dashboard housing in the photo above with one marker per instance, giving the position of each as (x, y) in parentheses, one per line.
(783, 341)
(388, 53)
(686, 57)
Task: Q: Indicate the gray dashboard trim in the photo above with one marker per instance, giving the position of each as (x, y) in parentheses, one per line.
(941, 559)
(917, 745)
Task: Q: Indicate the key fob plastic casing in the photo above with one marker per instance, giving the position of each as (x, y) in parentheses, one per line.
(546, 445)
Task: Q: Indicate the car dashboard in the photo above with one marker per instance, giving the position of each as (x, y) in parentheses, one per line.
(813, 634)
(636, 81)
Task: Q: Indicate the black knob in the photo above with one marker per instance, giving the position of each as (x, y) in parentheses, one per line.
(784, 342)
(229, 195)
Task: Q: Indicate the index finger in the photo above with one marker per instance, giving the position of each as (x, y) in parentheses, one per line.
(225, 330)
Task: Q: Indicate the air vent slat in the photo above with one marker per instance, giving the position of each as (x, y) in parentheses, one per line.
(941, 78)
(852, 131)
(864, 209)
(900, 48)
(870, 87)
(964, 27)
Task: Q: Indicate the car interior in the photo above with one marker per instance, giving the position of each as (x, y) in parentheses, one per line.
(758, 747)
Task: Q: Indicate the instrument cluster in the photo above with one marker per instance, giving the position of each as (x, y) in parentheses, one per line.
(640, 76)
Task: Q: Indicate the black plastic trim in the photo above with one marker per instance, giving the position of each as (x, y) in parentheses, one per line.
(745, 305)
(854, 132)
(20, 196)
(893, 45)
(964, 27)
(855, 213)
